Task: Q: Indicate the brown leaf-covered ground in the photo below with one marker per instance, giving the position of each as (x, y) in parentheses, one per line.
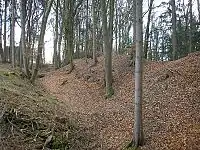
(171, 103)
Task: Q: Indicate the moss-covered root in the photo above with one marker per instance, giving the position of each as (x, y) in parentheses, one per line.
(109, 92)
(130, 146)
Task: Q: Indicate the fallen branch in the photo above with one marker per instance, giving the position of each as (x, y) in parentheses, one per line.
(2, 113)
(18, 93)
(64, 82)
(48, 140)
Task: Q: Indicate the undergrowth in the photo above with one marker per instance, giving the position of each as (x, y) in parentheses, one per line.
(30, 118)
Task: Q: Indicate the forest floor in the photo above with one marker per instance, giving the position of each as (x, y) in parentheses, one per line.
(171, 104)
(32, 119)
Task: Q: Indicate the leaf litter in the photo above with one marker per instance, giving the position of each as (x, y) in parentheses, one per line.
(171, 104)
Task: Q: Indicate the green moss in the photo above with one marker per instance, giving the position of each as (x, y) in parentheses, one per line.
(59, 142)
(51, 99)
(130, 146)
(109, 92)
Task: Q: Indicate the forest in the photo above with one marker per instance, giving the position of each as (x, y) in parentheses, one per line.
(99, 74)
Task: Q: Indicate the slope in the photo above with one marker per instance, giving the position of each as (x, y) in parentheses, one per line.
(170, 106)
(30, 118)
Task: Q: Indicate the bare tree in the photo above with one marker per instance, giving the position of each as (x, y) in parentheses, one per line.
(94, 30)
(146, 39)
(23, 42)
(198, 7)
(12, 32)
(41, 39)
(191, 26)
(5, 33)
(174, 35)
(1, 48)
(134, 28)
(138, 129)
(55, 55)
(60, 35)
(107, 38)
(69, 32)
(116, 27)
(86, 33)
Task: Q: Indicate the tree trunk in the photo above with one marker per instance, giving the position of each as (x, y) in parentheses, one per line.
(150, 46)
(146, 39)
(77, 37)
(186, 31)
(198, 7)
(134, 21)
(138, 129)
(4, 36)
(120, 37)
(64, 18)
(41, 40)
(86, 33)
(174, 36)
(94, 31)
(191, 24)
(55, 55)
(1, 48)
(29, 33)
(12, 36)
(59, 44)
(32, 53)
(107, 37)
(134, 30)
(70, 32)
(156, 46)
(23, 42)
(116, 27)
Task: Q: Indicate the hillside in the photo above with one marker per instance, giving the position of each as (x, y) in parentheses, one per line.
(70, 111)
(171, 105)
(32, 119)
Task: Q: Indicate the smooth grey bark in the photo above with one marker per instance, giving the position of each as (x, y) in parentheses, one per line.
(186, 31)
(94, 28)
(116, 27)
(55, 55)
(191, 26)
(12, 33)
(29, 33)
(86, 33)
(5, 33)
(138, 129)
(23, 42)
(70, 32)
(198, 7)
(59, 44)
(146, 39)
(174, 35)
(32, 52)
(41, 40)
(60, 38)
(43, 60)
(76, 37)
(134, 21)
(119, 36)
(150, 45)
(107, 38)
(162, 46)
(1, 48)
(132, 58)
(156, 36)
(79, 40)
(64, 18)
